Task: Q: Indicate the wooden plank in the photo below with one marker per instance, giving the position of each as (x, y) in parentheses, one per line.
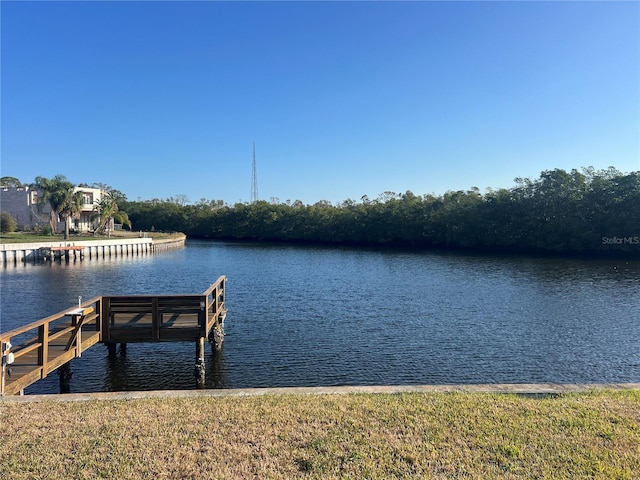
(181, 335)
(156, 319)
(202, 316)
(172, 335)
(76, 334)
(60, 359)
(25, 350)
(60, 333)
(92, 320)
(105, 316)
(43, 351)
(90, 340)
(14, 387)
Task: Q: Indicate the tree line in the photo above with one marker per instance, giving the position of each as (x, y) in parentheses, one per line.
(592, 212)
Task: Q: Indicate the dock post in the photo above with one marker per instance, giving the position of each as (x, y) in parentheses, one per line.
(65, 374)
(216, 336)
(200, 370)
(111, 346)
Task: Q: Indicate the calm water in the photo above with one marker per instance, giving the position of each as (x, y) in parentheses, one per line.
(305, 316)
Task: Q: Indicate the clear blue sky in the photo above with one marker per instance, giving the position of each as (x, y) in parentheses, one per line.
(343, 99)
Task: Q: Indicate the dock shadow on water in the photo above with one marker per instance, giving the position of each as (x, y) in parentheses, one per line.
(147, 367)
(309, 316)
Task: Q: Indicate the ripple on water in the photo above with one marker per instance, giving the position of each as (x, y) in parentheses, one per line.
(317, 316)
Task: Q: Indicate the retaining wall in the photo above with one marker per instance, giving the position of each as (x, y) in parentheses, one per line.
(532, 390)
(18, 253)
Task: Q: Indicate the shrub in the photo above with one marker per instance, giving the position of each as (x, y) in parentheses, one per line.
(45, 229)
(7, 223)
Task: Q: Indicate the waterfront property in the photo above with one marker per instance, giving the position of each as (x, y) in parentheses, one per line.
(32, 352)
(24, 205)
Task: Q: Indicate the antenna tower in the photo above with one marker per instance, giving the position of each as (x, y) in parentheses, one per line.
(254, 177)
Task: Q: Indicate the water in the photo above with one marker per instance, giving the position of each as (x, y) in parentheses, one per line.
(310, 316)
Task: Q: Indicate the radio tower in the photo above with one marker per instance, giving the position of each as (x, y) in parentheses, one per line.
(254, 178)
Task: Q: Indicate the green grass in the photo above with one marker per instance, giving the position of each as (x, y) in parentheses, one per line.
(21, 237)
(26, 237)
(378, 436)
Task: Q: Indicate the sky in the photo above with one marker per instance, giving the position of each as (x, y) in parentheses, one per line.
(342, 99)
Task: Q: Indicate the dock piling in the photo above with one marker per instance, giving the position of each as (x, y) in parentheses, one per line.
(216, 337)
(111, 347)
(65, 374)
(200, 370)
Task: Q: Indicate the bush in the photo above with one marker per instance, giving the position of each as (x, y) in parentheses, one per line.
(45, 229)
(7, 223)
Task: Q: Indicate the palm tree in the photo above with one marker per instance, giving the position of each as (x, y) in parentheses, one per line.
(107, 211)
(65, 201)
(70, 208)
(48, 188)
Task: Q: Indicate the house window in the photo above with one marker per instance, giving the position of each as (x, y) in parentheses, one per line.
(34, 197)
(88, 198)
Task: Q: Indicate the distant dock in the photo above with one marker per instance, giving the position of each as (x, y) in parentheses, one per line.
(51, 253)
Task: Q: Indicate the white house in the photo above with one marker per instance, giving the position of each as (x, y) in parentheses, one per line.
(22, 203)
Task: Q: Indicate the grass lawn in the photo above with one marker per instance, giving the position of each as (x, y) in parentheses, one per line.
(26, 237)
(410, 435)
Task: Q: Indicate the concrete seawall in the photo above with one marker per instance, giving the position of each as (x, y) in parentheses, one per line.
(169, 243)
(20, 253)
(534, 390)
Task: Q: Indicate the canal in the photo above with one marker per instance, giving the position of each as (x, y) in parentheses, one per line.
(313, 316)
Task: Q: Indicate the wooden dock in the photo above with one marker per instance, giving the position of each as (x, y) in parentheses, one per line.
(32, 352)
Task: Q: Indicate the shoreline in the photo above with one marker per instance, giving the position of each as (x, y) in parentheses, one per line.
(33, 252)
(524, 389)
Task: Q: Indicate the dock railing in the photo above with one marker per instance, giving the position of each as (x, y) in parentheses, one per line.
(31, 352)
(215, 305)
(162, 318)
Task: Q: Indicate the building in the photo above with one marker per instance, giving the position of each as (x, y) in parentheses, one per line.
(22, 203)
